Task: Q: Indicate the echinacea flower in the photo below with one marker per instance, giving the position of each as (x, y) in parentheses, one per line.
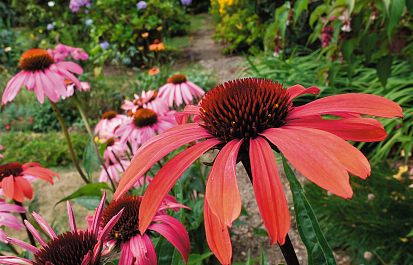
(84, 86)
(110, 120)
(179, 89)
(246, 119)
(75, 247)
(148, 100)
(154, 71)
(143, 125)
(156, 46)
(15, 179)
(41, 74)
(1, 147)
(8, 219)
(136, 246)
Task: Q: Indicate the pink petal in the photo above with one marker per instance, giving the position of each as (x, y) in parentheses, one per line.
(6, 207)
(98, 215)
(23, 244)
(182, 117)
(46, 86)
(166, 178)
(57, 82)
(353, 103)
(352, 129)
(110, 225)
(72, 220)
(217, 236)
(70, 66)
(14, 260)
(198, 92)
(222, 188)
(44, 225)
(269, 191)
(11, 221)
(156, 148)
(35, 233)
(30, 81)
(38, 87)
(178, 95)
(180, 230)
(7, 185)
(69, 76)
(126, 257)
(143, 249)
(13, 86)
(299, 90)
(315, 161)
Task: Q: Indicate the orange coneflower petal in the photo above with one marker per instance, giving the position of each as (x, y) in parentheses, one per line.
(25, 187)
(351, 129)
(298, 90)
(7, 186)
(156, 148)
(314, 160)
(37, 172)
(352, 103)
(166, 178)
(269, 191)
(222, 188)
(217, 236)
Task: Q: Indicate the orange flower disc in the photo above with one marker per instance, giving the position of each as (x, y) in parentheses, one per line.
(177, 79)
(35, 59)
(108, 115)
(144, 117)
(8, 169)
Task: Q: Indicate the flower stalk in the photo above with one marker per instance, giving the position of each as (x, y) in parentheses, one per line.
(59, 117)
(24, 217)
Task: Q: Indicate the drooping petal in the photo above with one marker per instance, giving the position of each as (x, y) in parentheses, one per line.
(298, 90)
(38, 87)
(11, 221)
(72, 220)
(6, 207)
(315, 161)
(143, 249)
(40, 172)
(48, 86)
(351, 129)
(9, 260)
(353, 103)
(166, 178)
(13, 87)
(70, 66)
(269, 191)
(182, 117)
(156, 148)
(69, 76)
(24, 186)
(349, 156)
(7, 185)
(126, 257)
(57, 82)
(217, 236)
(222, 188)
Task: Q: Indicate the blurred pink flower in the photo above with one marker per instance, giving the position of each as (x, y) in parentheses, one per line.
(75, 5)
(8, 219)
(144, 124)
(84, 86)
(41, 74)
(78, 246)
(179, 90)
(137, 247)
(62, 52)
(148, 100)
(1, 147)
(113, 169)
(110, 120)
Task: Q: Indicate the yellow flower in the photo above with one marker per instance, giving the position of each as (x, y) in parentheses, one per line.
(31, 35)
(40, 31)
(145, 35)
(7, 49)
(402, 169)
(140, 48)
(238, 26)
(159, 28)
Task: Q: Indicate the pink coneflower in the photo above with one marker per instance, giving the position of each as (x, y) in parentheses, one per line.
(143, 125)
(8, 219)
(1, 147)
(41, 74)
(75, 247)
(15, 179)
(113, 169)
(156, 46)
(70, 86)
(136, 246)
(114, 150)
(148, 100)
(179, 89)
(110, 120)
(245, 119)
(154, 71)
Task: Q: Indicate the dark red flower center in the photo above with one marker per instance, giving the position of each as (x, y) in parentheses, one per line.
(68, 249)
(35, 59)
(110, 142)
(8, 169)
(156, 41)
(241, 109)
(144, 117)
(177, 79)
(108, 115)
(128, 224)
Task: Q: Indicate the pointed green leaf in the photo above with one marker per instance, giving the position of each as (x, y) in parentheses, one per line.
(299, 7)
(395, 12)
(89, 202)
(347, 48)
(263, 258)
(89, 157)
(409, 5)
(318, 250)
(196, 258)
(384, 69)
(91, 189)
(281, 15)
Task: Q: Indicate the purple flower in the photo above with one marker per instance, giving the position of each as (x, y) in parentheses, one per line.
(49, 26)
(186, 2)
(88, 21)
(76, 4)
(104, 45)
(141, 5)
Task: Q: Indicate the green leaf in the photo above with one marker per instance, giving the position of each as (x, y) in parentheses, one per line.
(350, 4)
(347, 48)
(332, 73)
(89, 202)
(368, 43)
(281, 15)
(91, 189)
(263, 258)
(321, 9)
(409, 5)
(248, 257)
(165, 251)
(410, 233)
(395, 12)
(34, 204)
(89, 157)
(318, 250)
(299, 6)
(196, 258)
(384, 69)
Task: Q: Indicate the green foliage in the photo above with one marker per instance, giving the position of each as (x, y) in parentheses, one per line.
(308, 71)
(377, 218)
(48, 149)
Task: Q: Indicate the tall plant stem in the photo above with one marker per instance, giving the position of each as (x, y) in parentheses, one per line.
(24, 217)
(89, 131)
(287, 249)
(59, 116)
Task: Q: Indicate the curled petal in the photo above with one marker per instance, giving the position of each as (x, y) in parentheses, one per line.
(143, 250)
(299, 90)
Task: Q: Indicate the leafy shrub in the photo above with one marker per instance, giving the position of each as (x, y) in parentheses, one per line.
(377, 218)
(48, 149)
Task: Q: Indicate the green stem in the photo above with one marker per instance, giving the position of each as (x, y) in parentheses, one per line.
(287, 249)
(13, 249)
(143, 185)
(82, 113)
(24, 217)
(201, 175)
(69, 142)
